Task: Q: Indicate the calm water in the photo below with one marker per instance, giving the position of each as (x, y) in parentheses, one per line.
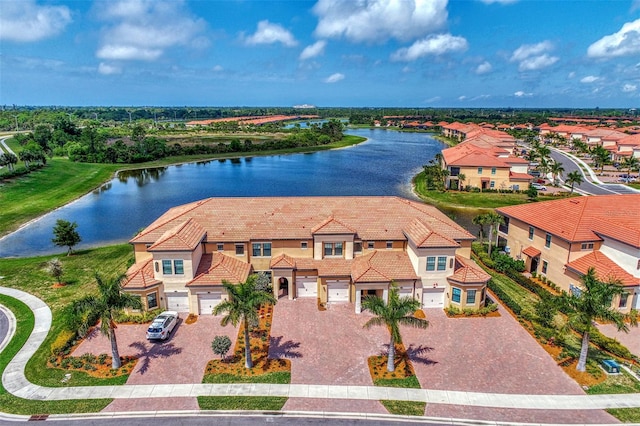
(384, 165)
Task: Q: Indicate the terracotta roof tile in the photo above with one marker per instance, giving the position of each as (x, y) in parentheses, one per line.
(424, 236)
(140, 276)
(185, 236)
(383, 266)
(216, 267)
(282, 261)
(532, 252)
(606, 269)
(468, 272)
(332, 226)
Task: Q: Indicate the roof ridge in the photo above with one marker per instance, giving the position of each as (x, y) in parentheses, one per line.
(195, 204)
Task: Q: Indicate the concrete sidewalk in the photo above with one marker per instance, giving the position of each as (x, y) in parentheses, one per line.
(15, 382)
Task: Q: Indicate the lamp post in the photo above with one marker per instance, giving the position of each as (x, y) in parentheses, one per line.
(16, 117)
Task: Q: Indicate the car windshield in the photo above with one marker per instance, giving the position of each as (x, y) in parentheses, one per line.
(154, 330)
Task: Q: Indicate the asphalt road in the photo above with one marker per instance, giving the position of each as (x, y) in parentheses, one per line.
(4, 325)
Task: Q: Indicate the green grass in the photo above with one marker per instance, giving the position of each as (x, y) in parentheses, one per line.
(616, 384)
(408, 382)
(27, 274)
(280, 377)
(626, 415)
(634, 185)
(404, 408)
(478, 200)
(253, 403)
(12, 404)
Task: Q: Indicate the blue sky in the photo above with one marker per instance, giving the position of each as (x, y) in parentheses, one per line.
(413, 53)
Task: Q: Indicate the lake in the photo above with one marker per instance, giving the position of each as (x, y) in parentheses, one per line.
(114, 213)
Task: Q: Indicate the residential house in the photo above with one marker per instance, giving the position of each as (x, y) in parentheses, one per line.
(333, 249)
(561, 239)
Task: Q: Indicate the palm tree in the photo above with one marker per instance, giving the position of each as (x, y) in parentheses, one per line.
(399, 310)
(556, 170)
(480, 220)
(105, 305)
(244, 301)
(461, 179)
(630, 163)
(543, 167)
(573, 178)
(494, 220)
(600, 156)
(594, 303)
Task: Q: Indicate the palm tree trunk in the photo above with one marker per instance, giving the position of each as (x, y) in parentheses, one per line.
(490, 238)
(248, 362)
(391, 364)
(582, 361)
(115, 355)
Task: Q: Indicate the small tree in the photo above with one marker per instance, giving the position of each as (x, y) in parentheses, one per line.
(221, 345)
(461, 178)
(532, 193)
(574, 178)
(65, 234)
(54, 268)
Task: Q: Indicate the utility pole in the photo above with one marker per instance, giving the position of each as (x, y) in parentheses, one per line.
(129, 116)
(16, 117)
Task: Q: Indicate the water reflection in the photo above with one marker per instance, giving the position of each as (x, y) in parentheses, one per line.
(142, 177)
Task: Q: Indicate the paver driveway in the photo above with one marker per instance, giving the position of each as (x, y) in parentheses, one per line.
(631, 339)
(179, 359)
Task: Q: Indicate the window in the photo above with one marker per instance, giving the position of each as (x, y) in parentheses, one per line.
(178, 267)
(531, 232)
(471, 297)
(370, 244)
(516, 187)
(157, 267)
(333, 249)
(623, 300)
(451, 263)
(492, 184)
(304, 245)
(220, 246)
(239, 249)
(389, 244)
(261, 249)
(442, 263)
(545, 265)
(479, 170)
(357, 247)
(431, 263)
(547, 241)
(166, 267)
(587, 246)
(575, 290)
(455, 295)
(152, 300)
(493, 170)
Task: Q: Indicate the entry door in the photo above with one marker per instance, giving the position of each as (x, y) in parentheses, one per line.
(178, 301)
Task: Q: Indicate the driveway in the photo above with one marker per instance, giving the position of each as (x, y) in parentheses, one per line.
(328, 347)
(631, 339)
(181, 358)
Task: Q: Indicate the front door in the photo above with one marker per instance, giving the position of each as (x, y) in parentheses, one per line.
(534, 264)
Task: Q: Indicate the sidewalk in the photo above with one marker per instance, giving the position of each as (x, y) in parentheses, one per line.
(15, 382)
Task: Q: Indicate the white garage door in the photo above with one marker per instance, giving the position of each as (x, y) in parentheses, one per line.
(337, 291)
(405, 291)
(307, 286)
(208, 301)
(433, 297)
(178, 301)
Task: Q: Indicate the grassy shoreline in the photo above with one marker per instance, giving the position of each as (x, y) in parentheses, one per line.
(29, 197)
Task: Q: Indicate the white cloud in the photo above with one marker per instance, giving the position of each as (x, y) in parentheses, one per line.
(589, 79)
(334, 78)
(268, 33)
(521, 94)
(108, 69)
(628, 88)
(432, 45)
(572, 74)
(533, 57)
(145, 29)
(623, 43)
(378, 20)
(462, 98)
(26, 21)
(484, 68)
(313, 50)
(218, 68)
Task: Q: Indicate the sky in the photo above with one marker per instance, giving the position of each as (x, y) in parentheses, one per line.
(328, 53)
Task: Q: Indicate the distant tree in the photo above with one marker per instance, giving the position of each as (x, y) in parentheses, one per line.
(494, 220)
(600, 156)
(630, 163)
(532, 193)
(461, 179)
(556, 170)
(221, 345)
(574, 178)
(65, 234)
(54, 268)
(480, 220)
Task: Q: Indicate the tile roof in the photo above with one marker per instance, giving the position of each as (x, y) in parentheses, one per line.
(423, 235)
(468, 272)
(520, 176)
(606, 269)
(186, 236)
(332, 226)
(532, 252)
(255, 218)
(326, 267)
(383, 266)
(282, 261)
(140, 276)
(216, 267)
(580, 219)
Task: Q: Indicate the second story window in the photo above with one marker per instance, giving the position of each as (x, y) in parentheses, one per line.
(431, 263)
(389, 244)
(493, 170)
(333, 249)
(178, 267)
(239, 249)
(531, 230)
(442, 263)
(166, 267)
(547, 241)
(370, 244)
(171, 267)
(220, 247)
(304, 245)
(261, 250)
(587, 246)
(479, 170)
(357, 247)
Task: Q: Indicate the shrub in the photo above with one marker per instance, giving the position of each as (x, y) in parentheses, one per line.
(511, 304)
(62, 342)
(534, 274)
(221, 345)
(136, 317)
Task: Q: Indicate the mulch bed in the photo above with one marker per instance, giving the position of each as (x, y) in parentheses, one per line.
(404, 367)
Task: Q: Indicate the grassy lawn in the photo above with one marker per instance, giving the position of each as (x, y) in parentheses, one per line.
(62, 181)
(27, 274)
(478, 200)
(622, 383)
(253, 403)
(279, 377)
(12, 404)
(404, 408)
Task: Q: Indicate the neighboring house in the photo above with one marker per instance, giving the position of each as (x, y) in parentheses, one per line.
(561, 239)
(335, 249)
(484, 166)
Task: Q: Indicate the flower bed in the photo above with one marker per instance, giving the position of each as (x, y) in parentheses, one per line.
(96, 366)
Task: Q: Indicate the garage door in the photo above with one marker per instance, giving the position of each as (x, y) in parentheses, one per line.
(405, 291)
(337, 291)
(208, 301)
(178, 301)
(307, 286)
(433, 298)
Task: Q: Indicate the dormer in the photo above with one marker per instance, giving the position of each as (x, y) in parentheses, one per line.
(177, 253)
(431, 251)
(333, 239)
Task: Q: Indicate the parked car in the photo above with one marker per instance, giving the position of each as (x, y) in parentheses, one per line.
(162, 325)
(539, 186)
